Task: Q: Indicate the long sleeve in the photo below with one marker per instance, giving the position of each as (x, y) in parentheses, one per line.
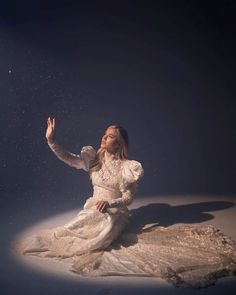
(127, 196)
(132, 171)
(80, 161)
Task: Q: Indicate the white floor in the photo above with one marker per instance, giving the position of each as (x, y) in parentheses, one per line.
(219, 211)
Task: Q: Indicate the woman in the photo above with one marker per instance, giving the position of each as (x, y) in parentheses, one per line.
(105, 214)
(184, 255)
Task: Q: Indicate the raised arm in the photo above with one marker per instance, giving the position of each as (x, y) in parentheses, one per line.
(80, 161)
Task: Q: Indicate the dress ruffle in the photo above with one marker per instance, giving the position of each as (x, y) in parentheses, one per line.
(132, 171)
(87, 154)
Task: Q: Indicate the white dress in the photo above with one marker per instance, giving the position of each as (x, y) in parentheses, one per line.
(100, 244)
(90, 230)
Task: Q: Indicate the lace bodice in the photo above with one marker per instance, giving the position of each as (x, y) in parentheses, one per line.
(116, 181)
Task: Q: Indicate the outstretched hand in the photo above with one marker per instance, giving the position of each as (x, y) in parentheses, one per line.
(50, 129)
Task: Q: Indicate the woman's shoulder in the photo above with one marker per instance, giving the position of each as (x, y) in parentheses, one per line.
(132, 170)
(88, 149)
(87, 154)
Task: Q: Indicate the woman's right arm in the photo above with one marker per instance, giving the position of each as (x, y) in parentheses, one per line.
(77, 161)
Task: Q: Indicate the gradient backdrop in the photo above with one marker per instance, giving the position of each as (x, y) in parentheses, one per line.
(165, 70)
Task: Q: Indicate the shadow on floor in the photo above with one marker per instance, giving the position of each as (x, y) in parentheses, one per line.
(166, 215)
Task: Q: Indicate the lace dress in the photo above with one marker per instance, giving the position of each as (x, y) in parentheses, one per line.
(90, 230)
(101, 244)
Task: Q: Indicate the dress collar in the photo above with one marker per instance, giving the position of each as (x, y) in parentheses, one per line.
(110, 157)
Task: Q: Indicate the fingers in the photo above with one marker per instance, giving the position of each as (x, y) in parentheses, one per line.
(50, 129)
(51, 122)
(101, 206)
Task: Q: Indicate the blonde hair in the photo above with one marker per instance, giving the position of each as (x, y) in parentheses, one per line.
(122, 152)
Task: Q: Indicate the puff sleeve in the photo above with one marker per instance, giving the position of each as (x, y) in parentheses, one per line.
(80, 161)
(131, 173)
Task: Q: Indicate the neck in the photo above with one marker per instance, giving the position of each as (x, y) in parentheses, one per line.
(111, 155)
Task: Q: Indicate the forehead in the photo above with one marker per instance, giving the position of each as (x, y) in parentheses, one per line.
(112, 131)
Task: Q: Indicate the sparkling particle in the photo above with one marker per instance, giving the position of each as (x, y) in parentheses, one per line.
(10, 71)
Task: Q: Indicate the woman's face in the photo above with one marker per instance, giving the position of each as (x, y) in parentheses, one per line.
(110, 140)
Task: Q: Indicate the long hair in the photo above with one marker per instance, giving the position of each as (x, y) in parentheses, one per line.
(122, 152)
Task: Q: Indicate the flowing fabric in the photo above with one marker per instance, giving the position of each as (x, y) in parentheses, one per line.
(97, 244)
(186, 256)
(115, 182)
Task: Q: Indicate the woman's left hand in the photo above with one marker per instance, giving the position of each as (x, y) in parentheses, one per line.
(102, 206)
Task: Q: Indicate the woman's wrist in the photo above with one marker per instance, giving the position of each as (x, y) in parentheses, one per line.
(50, 140)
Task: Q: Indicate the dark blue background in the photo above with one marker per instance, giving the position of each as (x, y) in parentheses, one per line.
(165, 70)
